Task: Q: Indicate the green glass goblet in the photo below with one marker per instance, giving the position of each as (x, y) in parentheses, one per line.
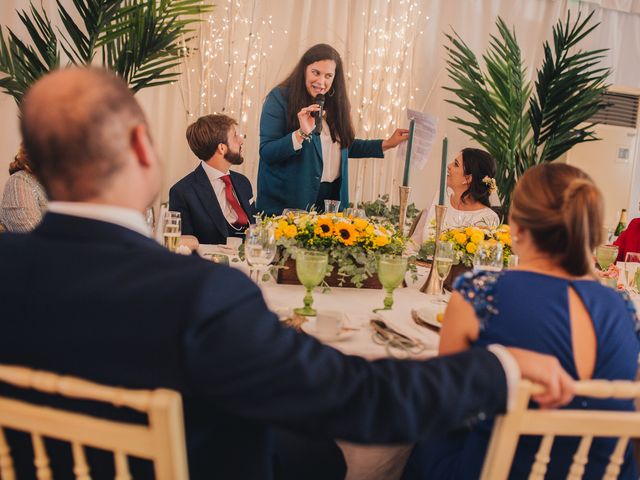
(311, 268)
(391, 270)
(606, 255)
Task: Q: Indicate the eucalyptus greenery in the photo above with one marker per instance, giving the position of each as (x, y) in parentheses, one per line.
(519, 125)
(140, 40)
(381, 209)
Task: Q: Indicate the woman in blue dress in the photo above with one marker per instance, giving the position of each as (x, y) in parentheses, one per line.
(300, 167)
(552, 304)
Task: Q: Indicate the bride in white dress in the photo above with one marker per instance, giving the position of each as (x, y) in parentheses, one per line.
(471, 179)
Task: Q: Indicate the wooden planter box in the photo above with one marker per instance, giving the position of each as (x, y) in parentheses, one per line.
(288, 276)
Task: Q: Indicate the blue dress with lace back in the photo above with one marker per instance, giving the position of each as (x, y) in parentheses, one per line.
(531, 310)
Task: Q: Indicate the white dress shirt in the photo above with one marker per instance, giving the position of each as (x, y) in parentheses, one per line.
(125, 217)
(219, 189)
(331, 154)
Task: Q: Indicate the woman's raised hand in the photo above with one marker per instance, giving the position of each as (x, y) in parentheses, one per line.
(307, 121)
(399, 136)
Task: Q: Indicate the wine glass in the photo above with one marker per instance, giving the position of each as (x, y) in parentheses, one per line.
(631, 264)
(488, 256)
(311, 267)
(391, 270)
(606, 255)
(443, 260)
(171, 230)
(259, 247)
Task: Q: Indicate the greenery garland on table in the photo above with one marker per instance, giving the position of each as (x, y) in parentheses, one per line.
(140, 40)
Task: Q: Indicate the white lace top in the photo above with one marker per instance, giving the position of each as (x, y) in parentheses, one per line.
(23, 203)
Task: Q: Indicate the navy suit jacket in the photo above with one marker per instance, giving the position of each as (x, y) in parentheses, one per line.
(194, 198)
(289, 178)
(95, 300)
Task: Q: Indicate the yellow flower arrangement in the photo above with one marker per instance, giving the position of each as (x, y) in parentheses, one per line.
(353, 244)
(465, 242)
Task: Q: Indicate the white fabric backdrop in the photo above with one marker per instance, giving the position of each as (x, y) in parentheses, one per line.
(296, 25)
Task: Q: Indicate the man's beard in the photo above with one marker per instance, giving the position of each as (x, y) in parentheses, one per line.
(234, 158)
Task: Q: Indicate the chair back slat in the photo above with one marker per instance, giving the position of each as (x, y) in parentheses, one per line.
(80, 465)
(122, 466)
(162, 441)
(40, 458)
(539, 468)
(616, 459)
(566, 423)
(6, 462)
(580, 459)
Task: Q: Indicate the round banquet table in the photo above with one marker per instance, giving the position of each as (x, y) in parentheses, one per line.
(370, 462)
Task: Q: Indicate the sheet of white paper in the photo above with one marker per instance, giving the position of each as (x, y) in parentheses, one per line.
(423, 136)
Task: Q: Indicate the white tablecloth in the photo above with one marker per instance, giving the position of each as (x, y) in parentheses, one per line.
(364, 462)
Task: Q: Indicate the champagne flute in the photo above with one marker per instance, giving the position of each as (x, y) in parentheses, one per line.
(606, 255)
(443, 260)
(631, 264)
(311, 268)
(391, 270)
(259, 247)
(171, 230)
(488, 256)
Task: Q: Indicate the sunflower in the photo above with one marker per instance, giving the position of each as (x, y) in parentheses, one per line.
(324, 227)
(346, 233)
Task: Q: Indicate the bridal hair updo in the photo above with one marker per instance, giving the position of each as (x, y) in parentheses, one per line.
(563, 209)
(479, 164)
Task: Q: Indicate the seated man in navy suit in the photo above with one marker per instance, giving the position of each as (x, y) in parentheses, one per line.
(214, 202)
(89, 294)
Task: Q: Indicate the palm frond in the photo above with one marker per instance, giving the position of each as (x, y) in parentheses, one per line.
(520, 125)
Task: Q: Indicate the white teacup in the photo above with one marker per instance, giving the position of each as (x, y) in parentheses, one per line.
(329, 323)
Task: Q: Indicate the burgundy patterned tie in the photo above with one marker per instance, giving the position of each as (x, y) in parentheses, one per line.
(243, 220)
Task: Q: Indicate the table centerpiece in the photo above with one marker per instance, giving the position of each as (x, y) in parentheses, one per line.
(465, 241)
(353, 245)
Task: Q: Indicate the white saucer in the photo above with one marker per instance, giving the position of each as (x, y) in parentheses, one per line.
(427, 316)
(309, 327)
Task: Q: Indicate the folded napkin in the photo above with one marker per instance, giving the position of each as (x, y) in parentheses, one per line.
(410, 329)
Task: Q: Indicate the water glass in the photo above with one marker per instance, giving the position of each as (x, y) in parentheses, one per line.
(391, 270)
(150, 218)
(354, 213)
(311, 267)
(331, 206)
(259, 247)
(513, 261)
(606, 255)
(631, 264)
(488, 256)
(171, 230)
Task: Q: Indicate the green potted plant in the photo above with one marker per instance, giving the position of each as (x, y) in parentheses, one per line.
(140, 40)
(519, 125)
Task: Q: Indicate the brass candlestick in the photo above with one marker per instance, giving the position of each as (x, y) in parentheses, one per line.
(404, 199)
(433, 285)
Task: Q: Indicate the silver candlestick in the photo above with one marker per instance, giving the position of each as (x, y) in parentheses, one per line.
(433, 285)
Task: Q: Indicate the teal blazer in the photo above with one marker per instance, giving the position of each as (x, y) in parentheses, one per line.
(291, 179)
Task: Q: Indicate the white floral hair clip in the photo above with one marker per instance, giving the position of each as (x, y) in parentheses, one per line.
(491, 183)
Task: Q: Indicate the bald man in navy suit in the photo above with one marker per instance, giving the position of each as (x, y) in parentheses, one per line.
(89, 294)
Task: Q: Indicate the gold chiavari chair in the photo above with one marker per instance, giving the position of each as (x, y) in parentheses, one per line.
(162, 441)
(549, 424)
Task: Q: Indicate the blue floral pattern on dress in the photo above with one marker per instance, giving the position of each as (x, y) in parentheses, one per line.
(477, 289)
(631, 308)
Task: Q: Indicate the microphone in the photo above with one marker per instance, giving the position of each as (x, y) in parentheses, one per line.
(318, 115)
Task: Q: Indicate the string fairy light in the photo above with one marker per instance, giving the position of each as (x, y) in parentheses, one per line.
(226, 72)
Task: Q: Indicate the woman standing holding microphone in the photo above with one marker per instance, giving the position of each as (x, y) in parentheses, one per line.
(304, 162)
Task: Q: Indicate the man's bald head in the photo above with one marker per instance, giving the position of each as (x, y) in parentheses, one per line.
(77, 125)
